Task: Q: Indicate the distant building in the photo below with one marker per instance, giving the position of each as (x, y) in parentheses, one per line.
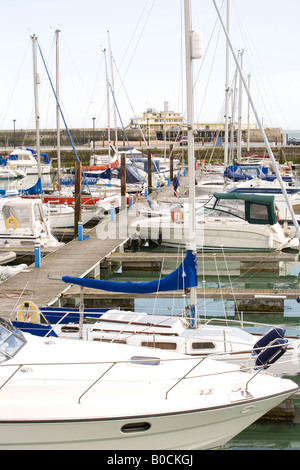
(157, 120)
(168, 123)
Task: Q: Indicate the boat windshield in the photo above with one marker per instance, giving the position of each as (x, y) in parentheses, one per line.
(11, 340)
(234, 207)
(21, 213)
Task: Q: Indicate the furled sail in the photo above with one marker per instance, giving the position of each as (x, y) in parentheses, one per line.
(184, 277)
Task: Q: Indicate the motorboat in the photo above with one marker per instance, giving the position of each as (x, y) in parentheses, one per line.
(25, 159)
(260, 186)
(210, 184)
(23, 223)
(64, 394)
(63, 216)
(243, 172)
(228, 222)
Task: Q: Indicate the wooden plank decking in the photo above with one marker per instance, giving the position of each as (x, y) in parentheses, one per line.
(76, 258)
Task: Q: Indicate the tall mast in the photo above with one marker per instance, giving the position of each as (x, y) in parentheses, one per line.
(267, 144)
(248, 118)
(108, 108)
(58, 112)
(190, 54)
(239, 140)
(113, 90)
(36, 81)
(226, 138)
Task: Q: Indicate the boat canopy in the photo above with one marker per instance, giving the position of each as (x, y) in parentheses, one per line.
(185, 276)
(255, 208)
(21, 152)
(132, 174)
(239, 172)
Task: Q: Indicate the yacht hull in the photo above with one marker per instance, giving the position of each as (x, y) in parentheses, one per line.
(197, 429)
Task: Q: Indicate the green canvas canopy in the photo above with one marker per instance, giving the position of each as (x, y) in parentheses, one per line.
(255, 208)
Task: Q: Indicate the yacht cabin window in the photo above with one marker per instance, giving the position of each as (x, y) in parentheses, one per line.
(203, 345)
(21, 213)
(11, 340)
(259, 211)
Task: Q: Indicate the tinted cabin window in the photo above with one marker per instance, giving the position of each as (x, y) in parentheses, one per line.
(159, 344)
(203, 345)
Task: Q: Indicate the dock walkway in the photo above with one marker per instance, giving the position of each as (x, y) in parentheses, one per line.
(76, 258)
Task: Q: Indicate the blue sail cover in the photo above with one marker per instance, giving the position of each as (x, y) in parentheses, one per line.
(185, 276)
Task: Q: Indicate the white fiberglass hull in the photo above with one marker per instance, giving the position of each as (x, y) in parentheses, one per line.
(195, 429)
(65, 219)
(32, 169)
(215, 233)
(22, 239)
(63, 394)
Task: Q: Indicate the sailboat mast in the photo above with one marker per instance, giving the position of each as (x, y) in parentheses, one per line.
(58, 112)
(113, 90)
(267, 144)
(108, 109)
(189, 53)
(36, 81)
(226, 136)
(239, 140)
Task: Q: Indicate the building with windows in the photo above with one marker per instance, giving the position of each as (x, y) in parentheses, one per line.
(168, 124)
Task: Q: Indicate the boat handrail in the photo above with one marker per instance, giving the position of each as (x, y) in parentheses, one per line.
(244, 323)
(97, 380)
(184, 376)
(199, 359)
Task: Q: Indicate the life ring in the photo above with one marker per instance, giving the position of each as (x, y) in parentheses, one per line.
(31, 315)
(11, 219)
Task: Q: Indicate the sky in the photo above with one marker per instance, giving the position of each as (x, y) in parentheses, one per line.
(144, 40)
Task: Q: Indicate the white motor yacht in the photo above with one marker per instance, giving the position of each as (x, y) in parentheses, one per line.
(229, 222)
(23, 223)
(25, 159)
(67, 394)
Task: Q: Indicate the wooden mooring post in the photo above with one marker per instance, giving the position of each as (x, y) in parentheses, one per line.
(77, 213)
(149, 172)
(123, 181)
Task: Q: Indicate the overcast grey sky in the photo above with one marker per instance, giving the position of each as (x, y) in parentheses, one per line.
(147, 45)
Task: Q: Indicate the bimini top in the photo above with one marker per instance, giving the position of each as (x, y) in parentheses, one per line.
(255, 208)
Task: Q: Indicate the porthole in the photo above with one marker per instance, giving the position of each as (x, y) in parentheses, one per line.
(145, 360)
(135, 427)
